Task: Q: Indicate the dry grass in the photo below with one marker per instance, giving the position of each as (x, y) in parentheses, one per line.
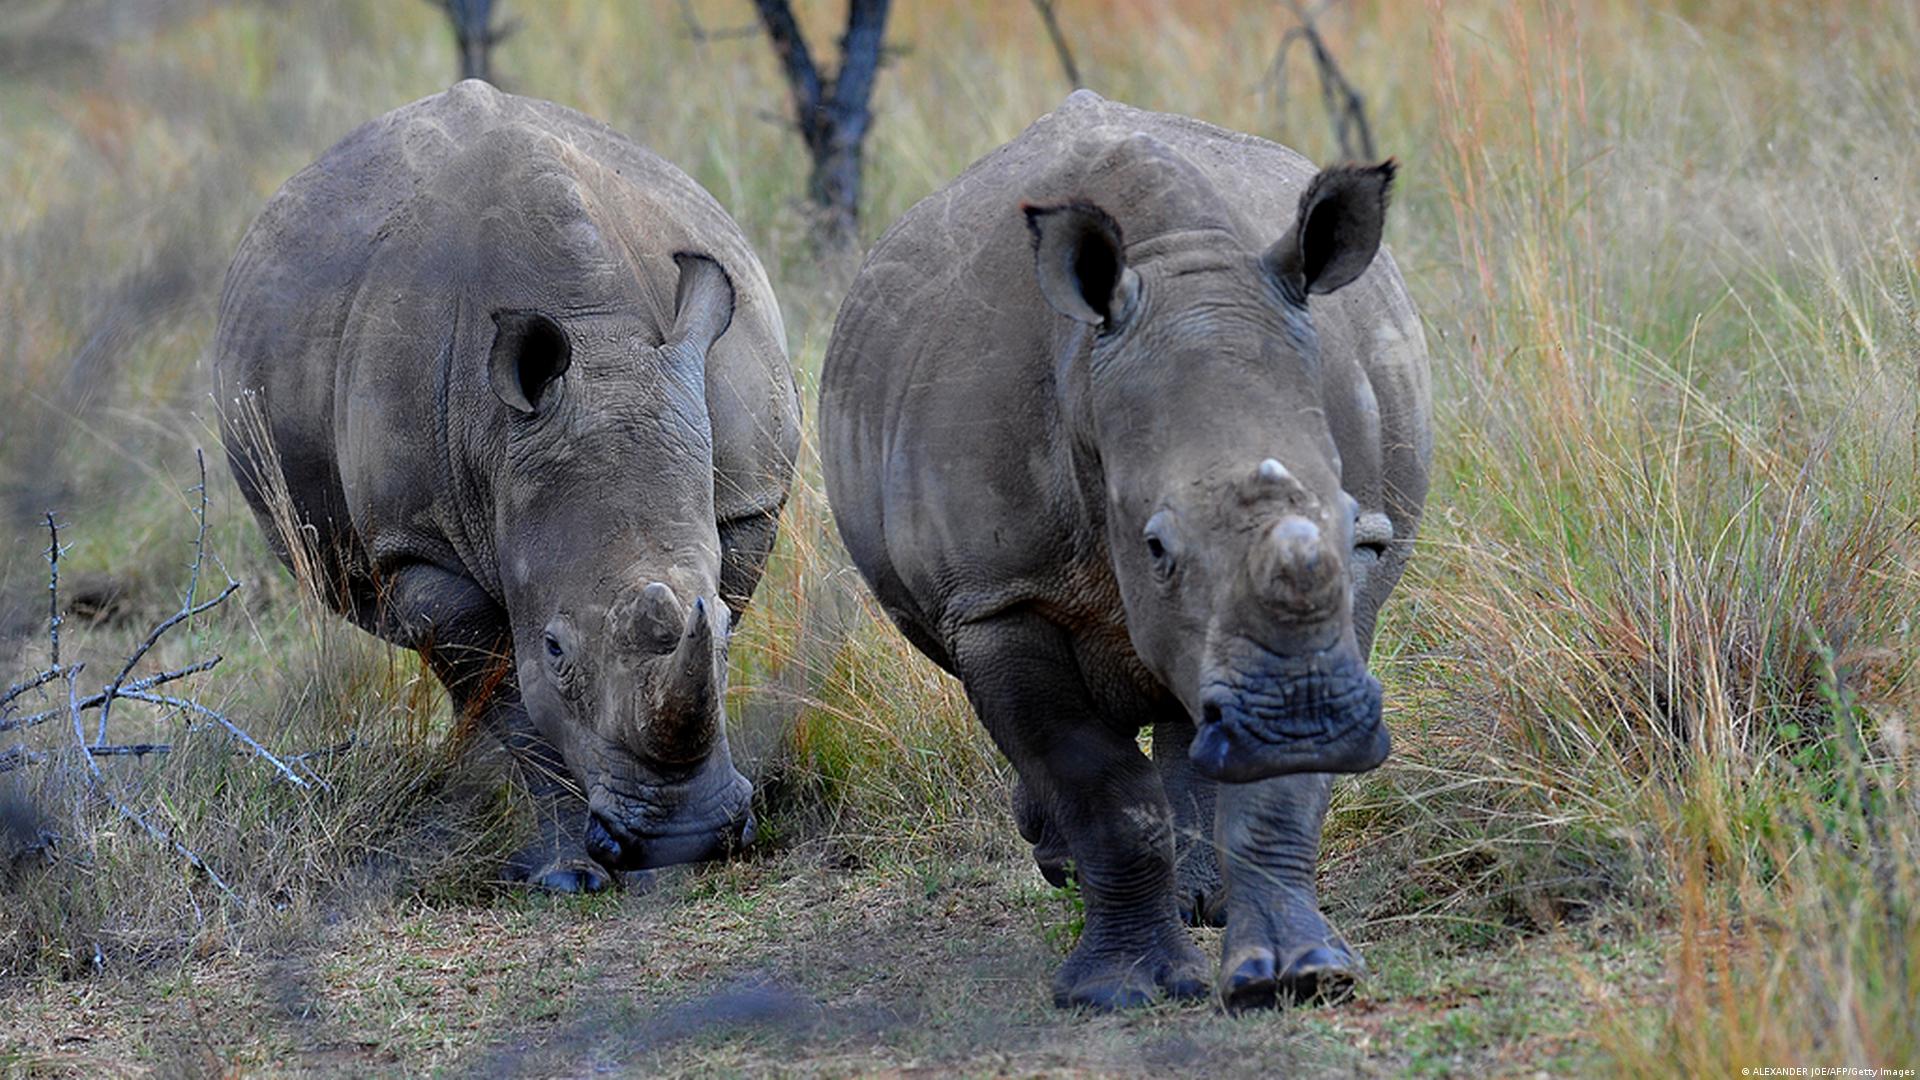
(1650, 673)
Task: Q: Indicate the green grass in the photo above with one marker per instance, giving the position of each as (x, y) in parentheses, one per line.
(1653, 805)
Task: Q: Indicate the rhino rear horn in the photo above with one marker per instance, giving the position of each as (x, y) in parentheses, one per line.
(686, 722)
(1081, 263)
(702, 304)
(1336, 231)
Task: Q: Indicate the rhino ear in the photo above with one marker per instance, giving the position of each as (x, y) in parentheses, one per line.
(703, 303)
(530, 352)
(1081, 262)
(1337, 231)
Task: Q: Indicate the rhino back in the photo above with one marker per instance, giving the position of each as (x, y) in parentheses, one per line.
(346, 303)
(947, 462)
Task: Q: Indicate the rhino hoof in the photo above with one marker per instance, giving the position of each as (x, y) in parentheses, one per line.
(575, 879)
(570, 876)
(1319, 974)
(1124, 979)
(1104, 996)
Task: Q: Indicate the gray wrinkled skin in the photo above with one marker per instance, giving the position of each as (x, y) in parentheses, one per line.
(526, 390)
(1128, 427)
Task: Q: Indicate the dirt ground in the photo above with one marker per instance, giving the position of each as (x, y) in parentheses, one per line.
(793, 963)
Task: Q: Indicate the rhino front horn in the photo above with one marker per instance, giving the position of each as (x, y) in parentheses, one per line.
(686, 721)
(1292, 563)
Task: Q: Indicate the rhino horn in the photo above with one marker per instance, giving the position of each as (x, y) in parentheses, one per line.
(1292, 564)
(686, 721)
(1271, 476)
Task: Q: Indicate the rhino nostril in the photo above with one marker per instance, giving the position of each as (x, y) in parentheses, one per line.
(1210, 712)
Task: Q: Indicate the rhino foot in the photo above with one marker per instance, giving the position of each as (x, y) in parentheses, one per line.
(1317, 974)
(1107, 972)
(540, 866)
(1257, 976)
(538, 869)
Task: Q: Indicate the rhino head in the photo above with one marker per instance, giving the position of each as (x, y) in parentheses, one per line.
(1201, 403)
(609, 563)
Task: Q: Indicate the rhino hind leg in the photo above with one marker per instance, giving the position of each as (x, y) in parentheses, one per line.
(1103, 796)
(1278, 948)
(1196, 871)
(463, 636)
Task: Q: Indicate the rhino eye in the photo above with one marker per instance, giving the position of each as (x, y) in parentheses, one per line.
(553, 647)
(1158, 538)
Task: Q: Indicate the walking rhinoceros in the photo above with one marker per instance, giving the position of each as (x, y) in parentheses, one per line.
(1128, 426)
(524, 388)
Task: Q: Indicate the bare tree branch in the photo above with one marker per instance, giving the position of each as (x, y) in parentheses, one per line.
(189, 705)
(475, 35)
(1346, 108)
(99, 699)
(125, 687)
(1052, 19)
(832, 116)
(53, 594)
(701, 35)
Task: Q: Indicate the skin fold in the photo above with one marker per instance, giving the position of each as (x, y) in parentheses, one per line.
(1129, 427)
(517, 390)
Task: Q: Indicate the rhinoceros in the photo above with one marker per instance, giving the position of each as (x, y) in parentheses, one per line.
(523, 388)
(1129, 427)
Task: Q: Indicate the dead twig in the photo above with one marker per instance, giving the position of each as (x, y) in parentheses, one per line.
(188, 609)
(97, 700)
(18, 755)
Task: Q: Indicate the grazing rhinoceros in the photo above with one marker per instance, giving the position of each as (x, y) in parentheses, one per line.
(525, 389)
(1116, 457)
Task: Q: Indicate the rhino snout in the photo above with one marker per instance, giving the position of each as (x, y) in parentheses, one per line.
(707, 817)
(1282, 718)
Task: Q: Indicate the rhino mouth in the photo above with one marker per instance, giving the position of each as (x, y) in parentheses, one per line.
(1287, 717)
(706, 817)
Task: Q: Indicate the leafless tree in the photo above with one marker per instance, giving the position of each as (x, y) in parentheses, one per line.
(1060, 47)
(1345, 105)
(474, 35)
(831, 114)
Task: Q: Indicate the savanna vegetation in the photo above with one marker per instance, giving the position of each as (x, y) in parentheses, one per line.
(1652, 807)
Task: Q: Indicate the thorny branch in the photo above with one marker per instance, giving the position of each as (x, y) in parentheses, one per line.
(187, 607)
(1345, 105)
(124, 687)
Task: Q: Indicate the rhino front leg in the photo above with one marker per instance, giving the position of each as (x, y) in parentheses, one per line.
(1103, 797)
(1049, 847)
(463, 636)
(1196, 872)
(1278, 948)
